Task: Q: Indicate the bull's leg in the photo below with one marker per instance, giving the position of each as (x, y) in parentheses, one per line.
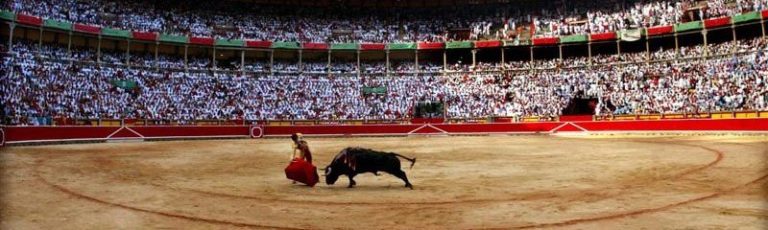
(400, 174)
(352, 182)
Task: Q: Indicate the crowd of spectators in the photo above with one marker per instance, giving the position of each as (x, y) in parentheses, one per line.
(695, 87)
(47, 81)
(244, 20)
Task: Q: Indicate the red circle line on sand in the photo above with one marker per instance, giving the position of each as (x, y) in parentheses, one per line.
(166, 214)
(539, 225)
(637, 212)
(523, 197)
(646, 210)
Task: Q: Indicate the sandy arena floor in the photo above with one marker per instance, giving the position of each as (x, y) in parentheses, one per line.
(498, 182)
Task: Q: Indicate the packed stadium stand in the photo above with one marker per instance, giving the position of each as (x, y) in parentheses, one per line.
(185, 61)
(374, 24)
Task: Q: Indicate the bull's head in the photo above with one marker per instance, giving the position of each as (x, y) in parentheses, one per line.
(330, 175)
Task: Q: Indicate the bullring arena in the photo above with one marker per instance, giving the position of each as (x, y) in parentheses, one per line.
(518, 114)
(572, 180)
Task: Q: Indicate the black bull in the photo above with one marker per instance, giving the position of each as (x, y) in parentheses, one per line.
(353, 161)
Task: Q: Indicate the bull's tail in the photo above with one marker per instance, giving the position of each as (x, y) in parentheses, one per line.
(412, 160)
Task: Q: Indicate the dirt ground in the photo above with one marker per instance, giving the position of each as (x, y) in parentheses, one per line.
(494, 182)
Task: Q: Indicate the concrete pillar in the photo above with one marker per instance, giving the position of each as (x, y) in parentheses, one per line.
(98, 49)
(416, 54)
(157, 56)
(10, 36)
(12, 27)
(40, 40)
(69, 47)
(242, 60)
(618, 50)
(213, 61)
(300, 61)
(329, 63)
(128, 54)
(359, 67)
(735, 37)
(271, 61)
(502, 59)
(186, 58)
(386, 57)
(706, 49)
(647, 50)
(589, 52)
(531, 60)
(677, 48)
(445, 60)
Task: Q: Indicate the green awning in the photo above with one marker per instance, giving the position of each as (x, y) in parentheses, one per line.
(125, 84)
(285, 45)
(695, 25)
(173, 38)
(230, 42)
(106, 31)
(57, 24)
(458, 45)
(344, 46)
(574, 38)
(402, 46)
(7, 15)
(751, 16)
(374, 90)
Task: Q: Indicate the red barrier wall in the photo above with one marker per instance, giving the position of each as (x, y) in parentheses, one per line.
(340, 130)
(17, 134)
(499, 127)
(576, 118)
(411, 129)
(191, 131)
(427, 120)
(73, 133)
(678, 125)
